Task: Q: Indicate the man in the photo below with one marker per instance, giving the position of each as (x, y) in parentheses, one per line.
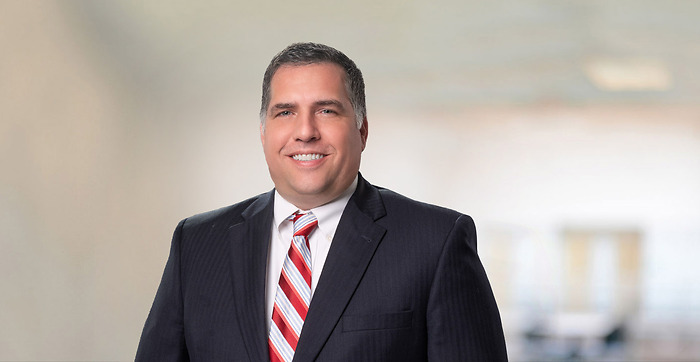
(325, 267)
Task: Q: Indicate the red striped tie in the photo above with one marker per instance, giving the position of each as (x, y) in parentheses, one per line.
(293, 292)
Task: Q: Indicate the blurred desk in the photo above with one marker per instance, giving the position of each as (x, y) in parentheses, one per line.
(575, 336)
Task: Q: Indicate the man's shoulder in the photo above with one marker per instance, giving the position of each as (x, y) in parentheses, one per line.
(408, 217)
(231, 214)
(408, 207)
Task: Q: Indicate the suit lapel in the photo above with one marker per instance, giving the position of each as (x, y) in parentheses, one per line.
(354, 244)
(250, 241)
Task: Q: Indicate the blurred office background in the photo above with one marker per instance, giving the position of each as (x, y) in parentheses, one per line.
(570, 131)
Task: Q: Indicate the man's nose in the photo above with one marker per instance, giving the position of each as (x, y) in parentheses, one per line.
(307, 128)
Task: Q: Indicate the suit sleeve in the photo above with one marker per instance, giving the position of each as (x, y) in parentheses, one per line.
(462, 319)
(163, 334)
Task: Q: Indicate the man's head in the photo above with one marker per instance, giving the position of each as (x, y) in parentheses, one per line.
(310, 131)
(312, 53)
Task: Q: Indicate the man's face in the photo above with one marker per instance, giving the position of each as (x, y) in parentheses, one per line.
(311, 141)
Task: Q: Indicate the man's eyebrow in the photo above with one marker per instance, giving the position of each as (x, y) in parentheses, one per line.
(329, 102)
(283, 106)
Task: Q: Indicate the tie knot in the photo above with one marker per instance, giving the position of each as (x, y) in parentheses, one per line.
(304, 224)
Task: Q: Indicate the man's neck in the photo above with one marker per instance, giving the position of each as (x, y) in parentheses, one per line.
(309, 203)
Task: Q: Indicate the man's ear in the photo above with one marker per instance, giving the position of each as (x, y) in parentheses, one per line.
(364, 129)
(262, 133)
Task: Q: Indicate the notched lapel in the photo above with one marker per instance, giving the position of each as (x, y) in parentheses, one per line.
(249, 247)
(355, 241)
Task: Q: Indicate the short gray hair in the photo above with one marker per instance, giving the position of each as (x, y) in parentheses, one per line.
(312, 53)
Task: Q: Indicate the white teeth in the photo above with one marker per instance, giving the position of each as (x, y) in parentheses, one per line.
(307, 157)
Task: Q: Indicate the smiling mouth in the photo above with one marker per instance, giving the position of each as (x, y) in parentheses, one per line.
(308, 156)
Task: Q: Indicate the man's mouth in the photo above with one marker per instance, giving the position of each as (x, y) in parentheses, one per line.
(308, 156)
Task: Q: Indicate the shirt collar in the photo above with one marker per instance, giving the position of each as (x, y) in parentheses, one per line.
(328, 215)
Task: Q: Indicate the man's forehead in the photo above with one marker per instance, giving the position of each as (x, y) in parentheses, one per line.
(283, 76)
(317, 66)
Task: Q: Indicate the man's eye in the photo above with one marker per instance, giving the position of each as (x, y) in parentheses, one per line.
(284, 113)
(327, 111)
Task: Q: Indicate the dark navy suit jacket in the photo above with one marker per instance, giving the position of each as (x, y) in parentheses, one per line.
(402, 282)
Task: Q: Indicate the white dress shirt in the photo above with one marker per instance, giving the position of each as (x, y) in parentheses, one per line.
(328, 217)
